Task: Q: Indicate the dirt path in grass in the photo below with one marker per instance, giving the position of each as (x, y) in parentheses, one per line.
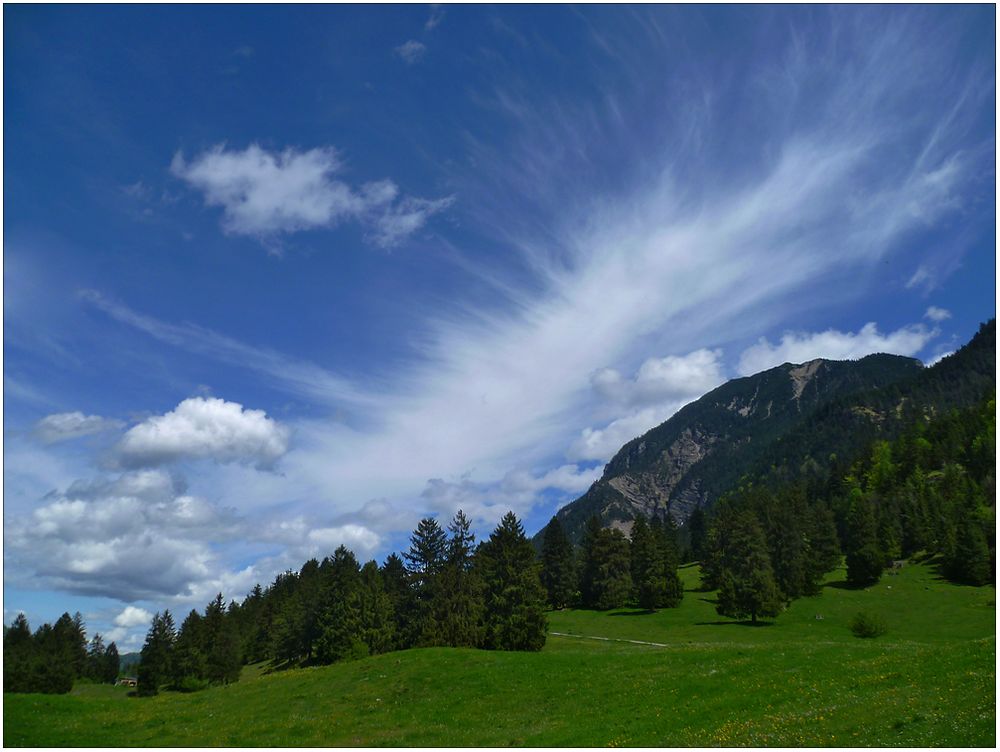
(609, 639)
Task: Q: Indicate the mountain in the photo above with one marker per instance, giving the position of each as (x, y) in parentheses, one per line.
(790, 420)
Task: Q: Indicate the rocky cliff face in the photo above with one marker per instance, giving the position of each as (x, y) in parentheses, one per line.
(684, 463)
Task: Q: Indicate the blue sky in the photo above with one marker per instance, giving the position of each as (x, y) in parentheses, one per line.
(280, 278)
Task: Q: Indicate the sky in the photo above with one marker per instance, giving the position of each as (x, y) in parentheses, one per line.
(278, 279)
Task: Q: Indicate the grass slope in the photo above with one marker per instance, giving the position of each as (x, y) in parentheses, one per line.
(801, 681)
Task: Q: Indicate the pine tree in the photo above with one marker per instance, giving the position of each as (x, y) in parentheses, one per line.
(588, 562)
(558, 568)
(612, 584)
(665, 538)
(864, 558)
(747, 585)
(970, 560)
(18, 656)
(112, 664)
(96, 655)
(457, 595)
(515, 598)
(426, 557)
(396, 582)
(697, 531)
(339, 621)
(78, 649)
(52, 664)
(648, 572)
(822, 548)
(156, 662)
(376, 621)
(189, 663)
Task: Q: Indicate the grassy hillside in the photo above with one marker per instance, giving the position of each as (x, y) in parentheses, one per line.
(801, 681)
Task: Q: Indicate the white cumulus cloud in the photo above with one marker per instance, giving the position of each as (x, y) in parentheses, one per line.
(133, 616)
(265, 194)
(205, 427)
(937, 315)
(799, 347)
(663, 379)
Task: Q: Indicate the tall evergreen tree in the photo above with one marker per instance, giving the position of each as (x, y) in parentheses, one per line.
(558, 567)
(589, 562)
(649, 580)
(665, 539)
(112, 664)
(697, 531)
(96, 654)
(190, 662)
(396, 582)
(748, 587)
(864, 558)
(515, 598)
(340, 618)
(457, 596)
(425, 559)
(156, 661)
(376, 621)
(18, 656)
(612, 584)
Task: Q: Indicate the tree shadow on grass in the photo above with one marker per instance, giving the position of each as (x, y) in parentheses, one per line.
(843, 585)
(744, 623)
(647, 612)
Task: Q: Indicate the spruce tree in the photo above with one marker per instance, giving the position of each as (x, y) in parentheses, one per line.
(665, 538)
(376, 621)
(457, 596)
(112, 664)
(96, 655)
(588, 562)
(402, 599)
(340, 616)
(190, 665)
(864, 558)
(649, 581)
(612, 585)
(822, 548)
(558, 567)
(425, 558)
(747, 585)
(18, 656)
(156, 662)
(515, 598)
(697, 532)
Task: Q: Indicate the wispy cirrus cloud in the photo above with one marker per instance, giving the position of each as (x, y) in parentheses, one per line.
(65, 426)
(289, 374)
(411, 51)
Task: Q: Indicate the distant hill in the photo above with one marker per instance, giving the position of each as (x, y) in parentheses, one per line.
(790, 420)
(128, 663)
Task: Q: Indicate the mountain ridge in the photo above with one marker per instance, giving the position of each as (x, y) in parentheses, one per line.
(796, 413)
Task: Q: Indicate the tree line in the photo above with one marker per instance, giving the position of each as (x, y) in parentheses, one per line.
(929, 493)
(611, 570)
(55, 656)
(446, 590)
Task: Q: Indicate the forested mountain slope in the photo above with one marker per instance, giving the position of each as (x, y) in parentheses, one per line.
(791, 421)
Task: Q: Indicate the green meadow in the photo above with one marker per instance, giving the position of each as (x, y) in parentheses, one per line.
(804, 679)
